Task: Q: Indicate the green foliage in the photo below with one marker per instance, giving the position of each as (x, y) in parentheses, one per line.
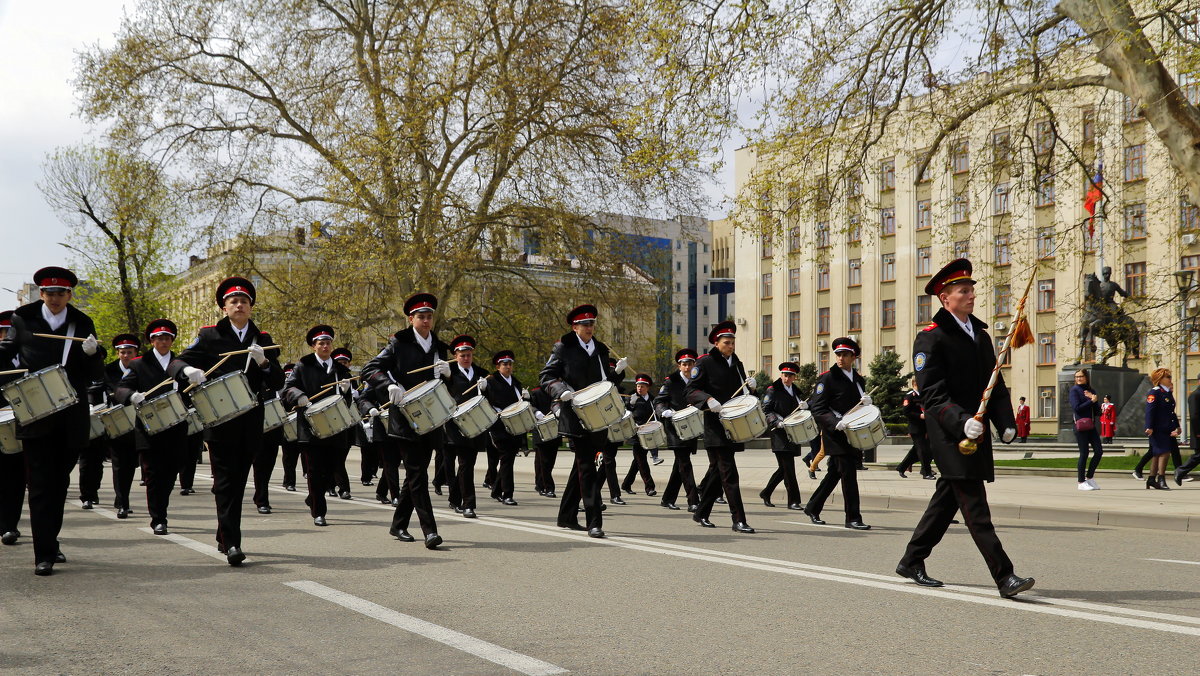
(761, 382)
(806, 380)
(887, 385)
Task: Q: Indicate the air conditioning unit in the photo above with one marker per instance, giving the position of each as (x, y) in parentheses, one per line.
(821, 343)
(1045, 286)
(1189, 239)
(793, 344)
(1000, 326)
(1046, 341)
(741, 321)
(1045, 394)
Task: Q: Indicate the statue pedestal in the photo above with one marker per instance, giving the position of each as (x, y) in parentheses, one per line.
(1127, 388)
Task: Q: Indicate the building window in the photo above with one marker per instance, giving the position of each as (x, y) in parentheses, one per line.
(924, 215)
(678, 331)
(960, 157)
(1131, 112)
(854, 185)
(1045, 191)
(1135, 221)
(1045, 297)
(1135, 279)
(822, 234)
(1189, 263)
(1045, 242)
(794, 323)
(1001, 147)
(793, 281)
(768, 326)
(921, 155)
(1046, 348)
(1007, 359)
(1000, 199)
(1047, 405)
(962, 248)
(1090, 240)
(855, 317)
(767, 283)
(887, 314)
(887, 267)
(823, 361)
(960, 208)
(1002, 252)
(823, 277)
(854, 230)
(1043, 137)
(1135, 163)
(1189, 84)
(924, 309)
(767, 248)
(822, 320)
(1088, 121)
(678, 266)
(887, 218)
(794, 238)
(1003, 299)
(854, 272)
(887, 175)
(767, 362)
(924, 262)
(1189, 215)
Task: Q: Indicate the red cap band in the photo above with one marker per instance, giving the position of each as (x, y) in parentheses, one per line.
(51, 282)
(234, 290)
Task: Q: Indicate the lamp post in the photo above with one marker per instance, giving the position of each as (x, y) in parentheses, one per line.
(1183, 281)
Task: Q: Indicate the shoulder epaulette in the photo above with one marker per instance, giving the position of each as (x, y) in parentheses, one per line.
(932, 326)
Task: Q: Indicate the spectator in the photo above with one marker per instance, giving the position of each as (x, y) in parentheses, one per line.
(1085, 410)
(1108, 420)
(1022, 421)
(1162, 426)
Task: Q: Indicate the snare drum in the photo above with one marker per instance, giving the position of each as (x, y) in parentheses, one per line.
(518, 418)
(743, 418)
(118, 420)
(40, 394)
(162, 412)
(428, 406)
(652, 435)
(193, 422)
(223, 399)
(291, 427)
(689, 423)
(598, 406)
(96, 426)
(474, 416)
(623, 429)
(329, 416)
(864, 428)
(800, 427)
(9, 444)
(547, 428)
(274, 414)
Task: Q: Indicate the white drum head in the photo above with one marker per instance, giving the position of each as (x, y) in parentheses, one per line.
(420, 390)
(738, 406)
(863, 416)
(592, 393)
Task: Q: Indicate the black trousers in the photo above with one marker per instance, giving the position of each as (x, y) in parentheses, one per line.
(609, 468)
(681, 475)
(1190, 465)
(388, 486)
(414, 494)
(584, 482)
(1091, 438)
(231, 462)
(341, 477)
(368, 463)
(462, 489)
(969, 497)
(723, 467)
(544, 457)
(191, 457)
(264, 466)
(48, 465)
(843, 469)
(639, 465)
(918, 452)
(491, 476)
(91, 469)
(291, 454)
(124, 453)
(814, 447)
(439, 467)
(321, 460)
(786, 472)
(12, 490)
(1176, 458)
(167, 451)
(506, 457)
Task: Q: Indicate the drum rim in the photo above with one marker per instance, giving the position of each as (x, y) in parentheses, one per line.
(600, 388)
(797, 417)
(850, 418)
(420, 390)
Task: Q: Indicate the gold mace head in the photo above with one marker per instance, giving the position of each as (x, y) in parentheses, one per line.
(967, 446)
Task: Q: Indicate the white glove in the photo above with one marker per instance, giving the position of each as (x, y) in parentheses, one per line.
(194, 375)
(621, 364)
(525, 394)
(803, 405)
(538, 415)
(257, 354)
(344, 386)
(841, 425)
(374, 413)
(481, 385)
(973, 428)
(396, 394)
(866, 400)
(668, 413)
(749, 384)
(90, 345)
(1008, 435)
(714, 405)
(137, 398)
(302, 401)
(567, 396)
(441, 369)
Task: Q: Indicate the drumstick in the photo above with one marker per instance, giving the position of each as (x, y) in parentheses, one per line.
(168, 381)
(237, 352)
(209, 372)
(55, 335)
(423, 368)
(331, 386)
(368, 416)
(9, 373)
(472, 387)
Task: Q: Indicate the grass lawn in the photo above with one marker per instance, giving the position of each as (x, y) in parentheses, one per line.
(1107, 462)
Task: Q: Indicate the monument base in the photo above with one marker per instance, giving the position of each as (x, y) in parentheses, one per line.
(1125, 386)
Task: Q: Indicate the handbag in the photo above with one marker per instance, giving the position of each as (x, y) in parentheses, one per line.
(1085, 424)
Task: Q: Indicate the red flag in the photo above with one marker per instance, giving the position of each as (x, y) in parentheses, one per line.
(1094, 195)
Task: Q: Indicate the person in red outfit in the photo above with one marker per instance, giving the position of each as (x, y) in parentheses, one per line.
(1022, 421)
(1108, 420)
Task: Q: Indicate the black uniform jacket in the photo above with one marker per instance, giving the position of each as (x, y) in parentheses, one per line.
(144, 373)
(540, 399)
(501, 395)
(264, 381)
(391, 367)
(912, 412)
(39, 353)
(832, 398)
(713, 376)
(672, 396)
(778, 404)
(1161, 418)
(571, 368)
(952, 372)
(307, 379)
(641, 408)
(459, 383)
(365, 400)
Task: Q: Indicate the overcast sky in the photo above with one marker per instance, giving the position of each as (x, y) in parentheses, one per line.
(38, 42)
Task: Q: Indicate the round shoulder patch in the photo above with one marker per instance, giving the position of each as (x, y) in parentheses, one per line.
(1150, 399)
(919, 360)
(695, 371)
(820, 387)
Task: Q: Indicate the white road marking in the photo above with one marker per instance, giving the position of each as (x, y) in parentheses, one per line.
(1189, 563)
(457, 640)
(814, 525)
(207, 550)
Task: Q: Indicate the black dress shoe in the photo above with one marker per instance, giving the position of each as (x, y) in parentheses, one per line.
(509, 501)
(902, 474)
(704, 522)
(487, 485)
(551, 494)
(766, 501)
(87, 504)
(721, 501)
(857, 525)
(571, 526)
(929, 476)
(917, 574)
(796, 506)
(44, 568)
(1013, 585)
(692, 509)
(742, 527)
(812, 474)
(618, 501)
(368, 482)
(320, 521)
(628, 490)
(221, 548)
(384, 500)
(10, 537)
(402, 535)
(331, 493)
(1178, 478)
(669, 505)
(264, 509)
(457, 509)
(234, 556)
(815, 518)
(59, 557)
(345, 495)
(595, 533)
(651, 493)
(186, 491)
(469, 513)
(160, 529)
(291, 488)
(437, 490)
(432, 541)
(122, 513)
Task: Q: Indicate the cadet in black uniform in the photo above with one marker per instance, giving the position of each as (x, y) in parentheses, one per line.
(290, 450)
(162, 452)
(642, 408)
(578, 360)
(123, 451)
(607, 472)
(466, 381)
(504, 390)
(12, 465)
(717, 377)
(388, 374)
(233, 444)
(53, 443)
(780, 401)
(954, 358)
(914, 412)
(839, 390)
(545, 452)
(671, 398)
(341, 477)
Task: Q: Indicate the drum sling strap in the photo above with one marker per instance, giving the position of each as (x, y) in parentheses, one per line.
(67, 343)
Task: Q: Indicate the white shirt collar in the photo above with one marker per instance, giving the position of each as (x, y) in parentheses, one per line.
(163, 359)
(788, 389)
(589, 346)
(426, 343)
(54, 320)
(469, 372)
(240, 333)
(507, 379)
(124, 369)
(850, 375)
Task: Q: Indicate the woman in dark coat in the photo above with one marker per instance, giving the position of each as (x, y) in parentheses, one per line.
(1162, 426)
(1085, 406)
